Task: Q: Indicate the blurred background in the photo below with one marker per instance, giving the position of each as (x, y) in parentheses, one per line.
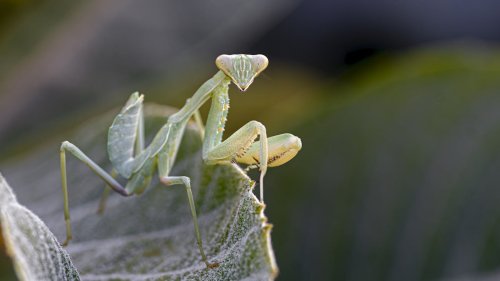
(397, 104)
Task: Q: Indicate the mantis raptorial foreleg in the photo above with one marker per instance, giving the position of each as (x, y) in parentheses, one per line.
(137, 163)
(237, 145)
(282, 148)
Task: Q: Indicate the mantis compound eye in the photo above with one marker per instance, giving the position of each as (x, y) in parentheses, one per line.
(242, 69)
(260, 63)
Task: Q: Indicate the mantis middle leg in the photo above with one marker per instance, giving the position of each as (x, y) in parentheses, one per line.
(166, 159)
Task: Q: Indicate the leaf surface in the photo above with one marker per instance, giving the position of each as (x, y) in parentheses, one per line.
(34, 250)
(151, 236)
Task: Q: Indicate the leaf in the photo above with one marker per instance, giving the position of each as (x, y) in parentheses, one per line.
(33, 249)
(151, 237)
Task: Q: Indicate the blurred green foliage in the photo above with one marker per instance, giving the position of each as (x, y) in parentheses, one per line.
(399, 173)
(34, 250)
(25, 24)
(10, 10)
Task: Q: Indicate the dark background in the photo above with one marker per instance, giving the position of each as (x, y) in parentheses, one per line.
(396, 103)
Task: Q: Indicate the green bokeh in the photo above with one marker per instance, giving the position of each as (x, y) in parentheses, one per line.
(398, 177)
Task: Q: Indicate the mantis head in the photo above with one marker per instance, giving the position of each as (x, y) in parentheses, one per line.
(242, 69)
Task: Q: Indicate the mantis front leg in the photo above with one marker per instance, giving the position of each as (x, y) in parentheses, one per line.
(237, 144)
(217, 152)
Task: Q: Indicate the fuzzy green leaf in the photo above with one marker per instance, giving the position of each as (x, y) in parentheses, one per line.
(34, 250)
(151, 237)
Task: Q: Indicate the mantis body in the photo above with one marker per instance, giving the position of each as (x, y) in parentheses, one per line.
(137, 163)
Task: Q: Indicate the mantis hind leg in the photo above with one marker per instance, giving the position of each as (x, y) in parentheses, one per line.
(110, 181)
(105, 194)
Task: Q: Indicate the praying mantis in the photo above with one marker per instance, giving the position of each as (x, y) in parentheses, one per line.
(137, 163)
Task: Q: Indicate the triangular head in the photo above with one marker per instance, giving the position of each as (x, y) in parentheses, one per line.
(242, 69)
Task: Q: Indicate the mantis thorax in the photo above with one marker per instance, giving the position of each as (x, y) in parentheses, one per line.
(217, 116)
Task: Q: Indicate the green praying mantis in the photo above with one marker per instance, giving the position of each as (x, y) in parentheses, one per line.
(137, 163)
